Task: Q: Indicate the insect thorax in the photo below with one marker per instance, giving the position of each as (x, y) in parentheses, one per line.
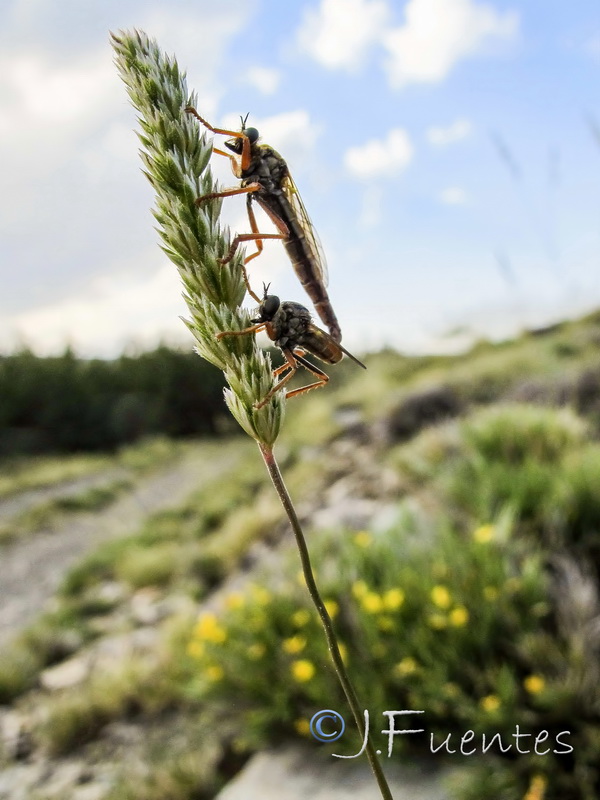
(267, 168)
(290, 324)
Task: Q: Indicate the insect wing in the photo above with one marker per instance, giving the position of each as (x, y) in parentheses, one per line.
(318, 256)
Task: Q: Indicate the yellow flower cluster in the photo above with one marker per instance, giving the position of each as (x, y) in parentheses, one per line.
(295, 644)
(303, 670)
(490, 703)
(456, 617)
(484, 534)
(534, 684)
(208, 629)
(405, 667)
(302, 726)
(537, 788)
(441, 597)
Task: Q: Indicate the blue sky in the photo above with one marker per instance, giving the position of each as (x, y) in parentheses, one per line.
(448, 152)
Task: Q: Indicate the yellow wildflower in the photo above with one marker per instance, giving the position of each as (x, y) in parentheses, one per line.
(534, 684)
(332, 608)
(407, 666)
(372, 603)
(385, 623)
(484, 534)
(208, 629)
(300, 578)
(441, 596)
(294, 644)
(301, 617)
(343, 652)
(256, 651)
(490, 703)
(490, 593)
(393, 599)
(537, 788)
(459, 616)
(302, 726)
(214, 673)
(363, 539)
(303, 670)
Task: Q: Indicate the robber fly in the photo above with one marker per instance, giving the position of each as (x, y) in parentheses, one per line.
(265, 177)
(289, 326)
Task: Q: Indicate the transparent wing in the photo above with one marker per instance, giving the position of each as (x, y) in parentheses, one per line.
(318, 256)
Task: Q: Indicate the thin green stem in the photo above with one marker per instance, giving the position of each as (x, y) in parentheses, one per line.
(286, 501)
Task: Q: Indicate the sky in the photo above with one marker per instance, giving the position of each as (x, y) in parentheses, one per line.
(447, 151)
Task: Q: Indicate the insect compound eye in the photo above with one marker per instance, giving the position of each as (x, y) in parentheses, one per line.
(270, 306)
(252, 134)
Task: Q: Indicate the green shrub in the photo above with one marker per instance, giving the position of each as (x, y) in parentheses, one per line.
(458, 625)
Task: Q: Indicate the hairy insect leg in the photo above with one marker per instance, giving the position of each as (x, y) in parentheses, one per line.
(255, 236)
(252, 187)
(292, 360)
(322, 376)
(234, 162)
(252, 329)
(280, 370)
(245, 162)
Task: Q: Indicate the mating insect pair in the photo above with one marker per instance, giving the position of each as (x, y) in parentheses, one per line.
(264, 176)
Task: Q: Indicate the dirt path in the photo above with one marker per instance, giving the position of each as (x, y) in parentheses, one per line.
(31, 569)
(16, 504)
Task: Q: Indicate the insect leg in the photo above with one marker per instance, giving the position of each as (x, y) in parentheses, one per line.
(252, 187)
(224, 132)
(323, 378)
(255, 236)
(252, 329)
(280, 370)
(234, 162)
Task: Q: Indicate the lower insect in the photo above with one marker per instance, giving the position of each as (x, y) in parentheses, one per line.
(289, 326)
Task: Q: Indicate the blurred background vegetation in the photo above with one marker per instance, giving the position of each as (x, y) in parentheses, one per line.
(453, 512)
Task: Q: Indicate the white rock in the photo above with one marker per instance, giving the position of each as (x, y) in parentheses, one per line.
(68, 673)
(297, 773)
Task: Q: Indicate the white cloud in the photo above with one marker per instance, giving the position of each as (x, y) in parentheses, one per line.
(438, 34)
(103, 316)
(264, 79)
(380, 158)
(440, 136)
(339, 33)
(453, 196)
(36, 91)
